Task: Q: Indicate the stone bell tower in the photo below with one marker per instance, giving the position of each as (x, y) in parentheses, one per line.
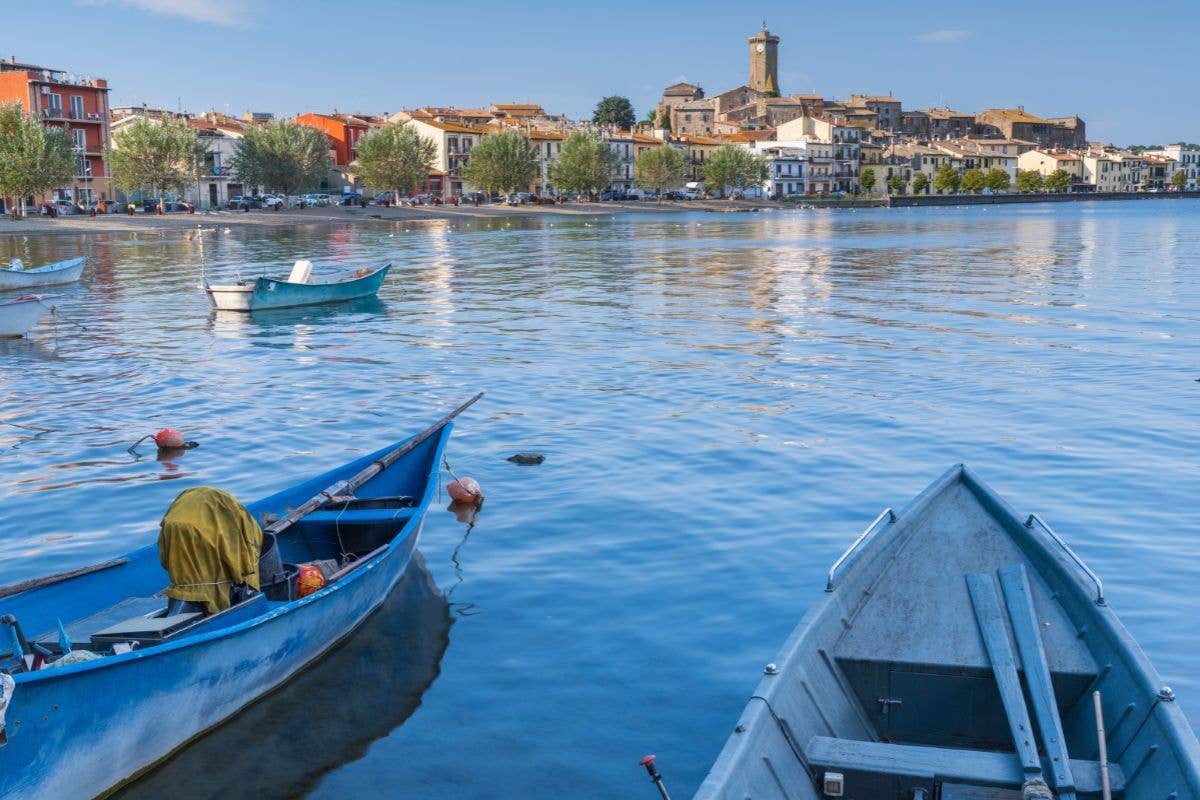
(764, 61)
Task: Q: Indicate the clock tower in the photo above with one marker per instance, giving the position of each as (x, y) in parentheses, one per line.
(764, 61)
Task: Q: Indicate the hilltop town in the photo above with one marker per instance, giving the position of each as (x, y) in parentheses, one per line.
(812, 146)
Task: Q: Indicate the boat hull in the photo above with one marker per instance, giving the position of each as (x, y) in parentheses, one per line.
(887, 683)
(272, 293)
(50, 275)
(17, 317)
(83, 730)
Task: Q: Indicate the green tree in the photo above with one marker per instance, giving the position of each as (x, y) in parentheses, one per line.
(33, 158)
(897, 184)
(282, 157)
(973, 180)
(397, 158)
(502, 162)
(614, 110)
(1179, 179)
(1058, 181)
(156, 154)
(585, 164)
(733, 166)
(659, 168)
(1028, 180)
(866, 180)
(920, 183)
(946, 179)
(997, 180)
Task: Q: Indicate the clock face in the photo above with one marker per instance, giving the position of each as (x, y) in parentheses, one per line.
(760, 47)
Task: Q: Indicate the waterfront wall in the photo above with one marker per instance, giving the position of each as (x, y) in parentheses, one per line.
(908, 201)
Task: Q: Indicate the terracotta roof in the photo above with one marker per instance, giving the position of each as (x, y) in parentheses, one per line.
(452, 127)
(1012, 115)
(944, 113)
(748, 136)
(690, 139)
(681, 88)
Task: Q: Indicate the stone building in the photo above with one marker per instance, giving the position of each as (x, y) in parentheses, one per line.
(945, 123)
(1017, 123)
(674, 95)
(764, 62)
(887, 109)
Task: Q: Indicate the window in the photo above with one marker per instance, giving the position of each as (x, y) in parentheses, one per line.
(83, 167)
(80, 137)
(76, 107)
(54, 101)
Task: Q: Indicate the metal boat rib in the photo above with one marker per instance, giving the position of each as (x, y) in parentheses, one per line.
(955, 655)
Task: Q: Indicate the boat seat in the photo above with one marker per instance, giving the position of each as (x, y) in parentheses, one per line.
(863, 763)
(80, 631)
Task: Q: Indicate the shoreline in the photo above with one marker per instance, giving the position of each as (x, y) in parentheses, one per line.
(338, 215)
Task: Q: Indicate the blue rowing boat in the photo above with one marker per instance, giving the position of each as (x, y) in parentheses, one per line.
(300, 288)
(159, 679)
(959, 651)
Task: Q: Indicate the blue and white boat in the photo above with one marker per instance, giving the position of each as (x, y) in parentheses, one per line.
(18, 277)
(301, 288)
(81, 730)
(959, 651)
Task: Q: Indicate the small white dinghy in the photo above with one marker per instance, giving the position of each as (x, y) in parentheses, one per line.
(20, 314)
(16, 276)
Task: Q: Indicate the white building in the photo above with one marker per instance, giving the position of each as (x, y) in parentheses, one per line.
(846, 141)
(786, 168)
(1186, 159)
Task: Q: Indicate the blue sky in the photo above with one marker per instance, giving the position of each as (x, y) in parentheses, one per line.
(1128, 71)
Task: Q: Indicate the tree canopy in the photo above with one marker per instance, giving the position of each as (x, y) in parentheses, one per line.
(282, 156)
(1028, 180)
(735, 167)
(972, 180)
(156, 154)
(34, 158)
(502, 162)
(396, 158)
(1058, 181)
(659, 168)
(585, 164)
(946, 179)
(997, 180)
(920, 183)
(614, 110)
(897, 184)
(866, 179)
(1179, 179)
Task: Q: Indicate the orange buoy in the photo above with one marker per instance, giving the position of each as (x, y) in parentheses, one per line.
(311, 579)
(169, 437)
(465, 490)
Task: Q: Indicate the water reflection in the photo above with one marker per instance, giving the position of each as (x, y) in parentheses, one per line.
(241, 324)
(329, 715)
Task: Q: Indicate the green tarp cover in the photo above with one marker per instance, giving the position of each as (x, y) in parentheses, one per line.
(208, 543)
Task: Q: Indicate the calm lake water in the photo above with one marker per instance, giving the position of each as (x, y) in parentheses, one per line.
(724, 402)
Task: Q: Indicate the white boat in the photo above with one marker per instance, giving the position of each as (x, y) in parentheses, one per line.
(60, 272)
(300, 289)
(20, 314)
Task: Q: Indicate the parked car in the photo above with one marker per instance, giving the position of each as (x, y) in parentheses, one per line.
(383, 199)
(349, 199)
(61, 208)
(243, 203)
(273, 202)
(519, 198)
(473, 197)
(316, 199)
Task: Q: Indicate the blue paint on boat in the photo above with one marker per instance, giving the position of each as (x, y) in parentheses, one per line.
(80, 730)
(267, 293)
(902, 681)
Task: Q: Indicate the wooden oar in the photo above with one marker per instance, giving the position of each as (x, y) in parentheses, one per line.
(58, 577)
(377, 466)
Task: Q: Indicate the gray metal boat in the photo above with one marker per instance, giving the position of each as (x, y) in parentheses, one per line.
(959, 651)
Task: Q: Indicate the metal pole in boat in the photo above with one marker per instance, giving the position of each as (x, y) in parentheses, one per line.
(648, 763)
(1105, 787)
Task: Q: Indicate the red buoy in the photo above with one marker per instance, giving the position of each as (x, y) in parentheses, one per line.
(466, 490)
(169, 437)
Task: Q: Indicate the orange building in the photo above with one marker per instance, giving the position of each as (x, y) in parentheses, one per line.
(343, 131)
(79, 104)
